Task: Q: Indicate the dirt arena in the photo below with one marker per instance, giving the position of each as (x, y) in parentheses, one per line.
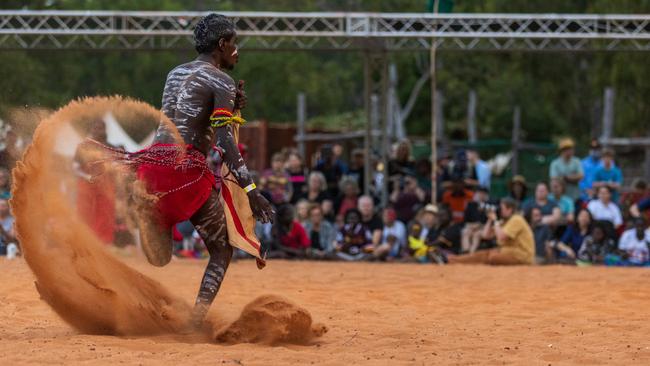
(376, 314)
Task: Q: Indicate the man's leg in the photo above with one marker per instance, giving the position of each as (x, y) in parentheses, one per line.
(478, 257)
(210, 222)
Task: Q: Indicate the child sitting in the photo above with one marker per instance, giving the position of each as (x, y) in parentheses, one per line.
(596, 246)
(353, 241)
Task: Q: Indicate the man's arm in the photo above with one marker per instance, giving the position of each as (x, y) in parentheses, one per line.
(225, 140)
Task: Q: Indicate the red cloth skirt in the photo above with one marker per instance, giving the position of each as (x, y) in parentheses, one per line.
(179, 176)
(96, 206)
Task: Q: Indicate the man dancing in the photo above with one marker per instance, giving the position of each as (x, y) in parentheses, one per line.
(200, 99)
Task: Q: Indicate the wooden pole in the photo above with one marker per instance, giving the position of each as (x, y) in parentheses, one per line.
(434, 125)
(301, 118)
(367, 140)
(471, 116)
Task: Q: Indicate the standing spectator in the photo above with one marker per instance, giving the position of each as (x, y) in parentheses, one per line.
(608, 175)
(331, 169)
(402, 165)
(393, 238)
(457, 197)
(550, 211)
(348, 198)
(482, 169)
(297, 177)
(516, 244)
(541, 232)
(353, 241)
(5, 184)
(357, 169)
(635, 243)
(603, 209)
(568, 168)
(518, 189)
(368, 217)
(302, 211)
(407, 198)
(572, 238)
(321, 234)
(276, 181)
(563, 201)
(596, 246)
(589, 166)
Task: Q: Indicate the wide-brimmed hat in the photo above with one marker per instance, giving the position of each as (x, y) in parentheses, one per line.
(431, 208)
(566, 143)
(517, 179)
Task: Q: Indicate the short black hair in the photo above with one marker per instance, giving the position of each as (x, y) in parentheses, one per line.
(210, 29)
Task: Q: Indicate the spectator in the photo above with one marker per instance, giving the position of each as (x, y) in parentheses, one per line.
(449, 234)
(393, 238)
(457, 197)
(516, 244)
(7, 233)
(297, 177)
(608, 175)
(589, 166)
(643, 205)
(276, 181)
(563, 201)
(572, 238)
(596, 246)
(635, 243)
(5, 184)
(337, 151)
(407, 197)
(302, 211)
(316, 188)
(371, 221)
(423, 174)
(518, 189)
(321, 234)
(349, 196)
(357, 169)
(475, 218)
(286, 238)
(416, 244)
(331, 169)
(638, 193)
(353, 241)
(568, 168)
(550, 211)
(428, 219)
(402, 165)
(482, 169)
(603, 209)
(541, 232)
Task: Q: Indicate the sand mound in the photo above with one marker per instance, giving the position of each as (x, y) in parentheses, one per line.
(271, 319)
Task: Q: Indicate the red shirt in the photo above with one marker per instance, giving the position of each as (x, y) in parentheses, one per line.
(457, 203)
(297, 238)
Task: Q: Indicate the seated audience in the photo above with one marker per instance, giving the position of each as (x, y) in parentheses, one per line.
(550, 211)
(286, 238)
(357, 169)
(416, 244)
(596, 246)
(449, 233)
(407, 198)
(564, 202)
(353, 241)
(331, 168)
(571, 240)
(302, 211)
(348, 198)
(297, 177)
(475, 218)
(607, 174)
(371, 220)
(514, 238)
(635, 243)
(316, 189)
(5, 184)
(276, 181)
(321, 233)
(393, 237)
(541, 232)
(456, 197)
(603, 209)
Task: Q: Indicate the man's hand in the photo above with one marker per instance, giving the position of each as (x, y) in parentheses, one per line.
(240, 96)
(262, 209)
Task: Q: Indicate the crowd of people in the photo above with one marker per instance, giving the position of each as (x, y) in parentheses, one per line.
(580, 215)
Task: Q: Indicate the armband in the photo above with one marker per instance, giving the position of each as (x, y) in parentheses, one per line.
(250, 187)
(221, 117)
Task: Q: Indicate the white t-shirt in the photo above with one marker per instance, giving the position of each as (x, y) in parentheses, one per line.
(609, 212)
(637, 249)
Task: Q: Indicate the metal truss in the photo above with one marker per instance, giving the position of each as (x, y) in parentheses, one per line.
(336, 31)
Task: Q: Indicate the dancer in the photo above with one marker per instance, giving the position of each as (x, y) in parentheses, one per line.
(201, 100)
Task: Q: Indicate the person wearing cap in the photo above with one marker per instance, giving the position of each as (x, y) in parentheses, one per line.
(568, 168)
(518, 189)
(608, 175)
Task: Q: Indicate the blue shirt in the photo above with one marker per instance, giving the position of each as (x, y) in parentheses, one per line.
(589, 167)
(573, 238)
(612, 174)
(483, 174)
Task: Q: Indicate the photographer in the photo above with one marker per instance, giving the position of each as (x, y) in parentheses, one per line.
(513, 235)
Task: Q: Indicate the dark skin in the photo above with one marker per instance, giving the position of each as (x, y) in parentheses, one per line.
(189, 99)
